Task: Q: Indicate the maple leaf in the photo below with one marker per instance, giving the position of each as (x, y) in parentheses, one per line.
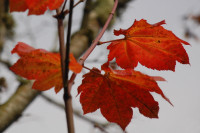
(41, 66)
(36, 7)
(115, 92)
(150, 45)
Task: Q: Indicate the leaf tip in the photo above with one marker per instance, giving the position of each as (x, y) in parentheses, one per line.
(158, 78)
(159, 23)
(22, 48)
(74, 65)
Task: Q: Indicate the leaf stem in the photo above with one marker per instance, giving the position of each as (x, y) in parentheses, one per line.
(96, 41)
(86, 68)
(93, 45)
(63, 12)
(63, 8)
(92, 70)
(100, 43)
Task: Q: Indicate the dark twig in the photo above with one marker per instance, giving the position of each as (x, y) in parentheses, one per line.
(67, 11)
(63, 12)
(63, 8)
(78, 2)
(67, 94)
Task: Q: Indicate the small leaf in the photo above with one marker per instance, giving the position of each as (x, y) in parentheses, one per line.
(74, 65)
(36, 7)
(41, 66)
(150, 45)
(115, 92)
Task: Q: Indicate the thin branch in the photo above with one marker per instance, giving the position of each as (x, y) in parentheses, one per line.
(68, 102)
(13, 108)
(61, 41)
(100, 43)
(86, 68)
(96, 41)
(67, 94)
(78, 2)
(63, 8)
(64, 13)
(68, 45)
(67, 11)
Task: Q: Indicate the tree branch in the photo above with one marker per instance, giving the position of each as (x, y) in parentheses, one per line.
(67, 93)
(12, 110)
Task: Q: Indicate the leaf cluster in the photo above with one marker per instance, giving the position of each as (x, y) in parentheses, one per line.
(116, 92)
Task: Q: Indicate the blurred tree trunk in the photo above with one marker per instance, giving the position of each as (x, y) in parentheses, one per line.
(95, 15)
(6, 23)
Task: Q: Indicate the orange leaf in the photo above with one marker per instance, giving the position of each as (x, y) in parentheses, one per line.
(115, 92)
(41, 66)
(150, 45)
(36, 7)
(74, 65)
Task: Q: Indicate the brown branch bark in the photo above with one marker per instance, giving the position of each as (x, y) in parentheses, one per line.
(13, 108)
(91, 24)
(67, 94)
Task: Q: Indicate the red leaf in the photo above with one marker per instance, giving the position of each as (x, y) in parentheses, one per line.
(115, 92)
(36, 7)
(41, 66)
(74, 65)
(150, 45)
